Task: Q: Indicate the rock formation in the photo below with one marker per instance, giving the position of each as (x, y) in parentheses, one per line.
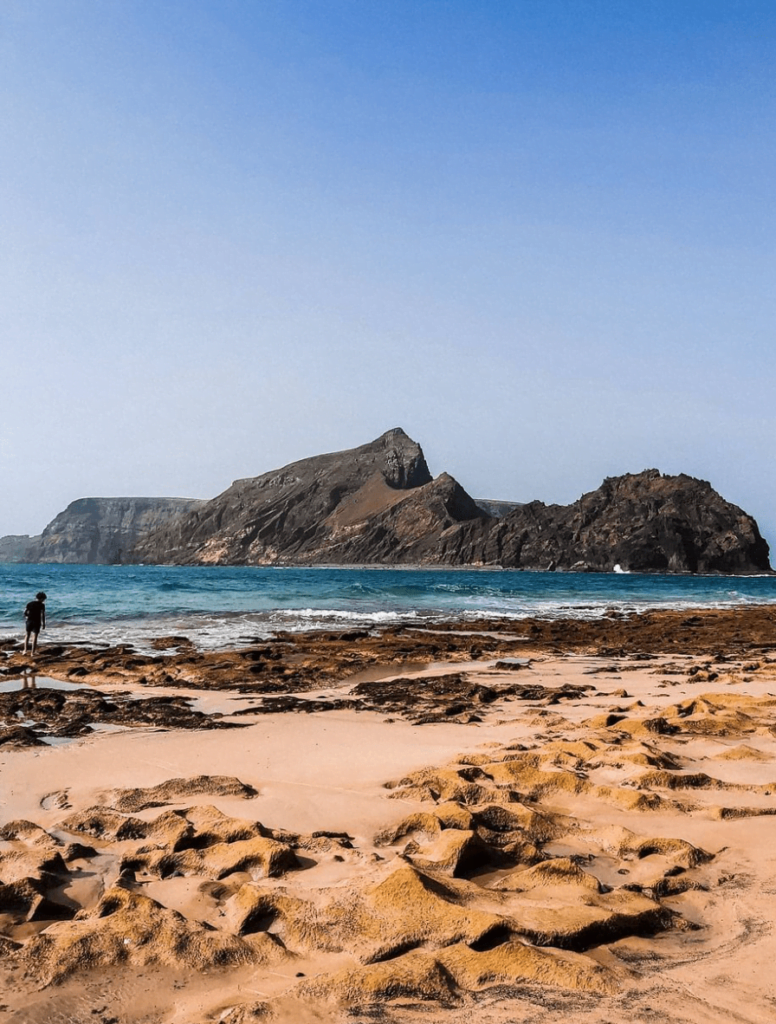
(102, 530)
(639, 521)
(497, 509)
(18, 548)
(378, 504)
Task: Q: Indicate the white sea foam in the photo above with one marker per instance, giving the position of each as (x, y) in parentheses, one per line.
(339, 614)
(222, 631)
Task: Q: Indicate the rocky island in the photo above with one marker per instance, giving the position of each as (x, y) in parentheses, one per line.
(379, 504)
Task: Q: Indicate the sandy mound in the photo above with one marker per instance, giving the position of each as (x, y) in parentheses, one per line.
(25, 900)
(425, 929)
(174, 790)
(126, 927)
(414, 976)
(741, 753)
(446, 976)
(259, 857)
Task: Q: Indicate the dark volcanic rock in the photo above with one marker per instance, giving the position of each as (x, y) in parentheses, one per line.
(453, 696)
(376, 503)
(641, 521)
(49, 712)
(102, 530)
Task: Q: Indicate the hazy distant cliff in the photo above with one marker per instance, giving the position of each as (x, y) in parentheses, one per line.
(379, 504)
(103, 530)
(18, 548)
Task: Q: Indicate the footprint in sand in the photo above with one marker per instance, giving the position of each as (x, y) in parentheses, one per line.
(58, 799)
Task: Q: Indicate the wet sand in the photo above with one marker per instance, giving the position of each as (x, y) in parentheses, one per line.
(538, 821)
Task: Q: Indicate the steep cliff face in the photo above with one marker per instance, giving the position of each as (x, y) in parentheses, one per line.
(641, 521)
(103, 530)
(18, 548)
(330, 508)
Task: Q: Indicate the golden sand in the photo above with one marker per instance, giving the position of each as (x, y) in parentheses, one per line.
(600, 857)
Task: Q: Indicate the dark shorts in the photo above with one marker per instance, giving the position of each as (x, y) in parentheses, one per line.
(32, 626)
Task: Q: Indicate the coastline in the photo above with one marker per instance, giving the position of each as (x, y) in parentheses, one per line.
(519, 819)
(220, 610)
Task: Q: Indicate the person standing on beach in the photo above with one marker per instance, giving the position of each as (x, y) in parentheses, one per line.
(34, 620)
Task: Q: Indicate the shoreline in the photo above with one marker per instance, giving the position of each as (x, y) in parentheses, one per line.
(398, 566)
(374, 623)
(553, 822)
(141, 599)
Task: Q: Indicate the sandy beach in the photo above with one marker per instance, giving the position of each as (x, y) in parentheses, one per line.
(558, 821)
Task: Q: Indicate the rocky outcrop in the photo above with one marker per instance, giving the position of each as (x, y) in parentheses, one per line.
(102, 530)
(639, 521)
(379, 504)
(376, 503)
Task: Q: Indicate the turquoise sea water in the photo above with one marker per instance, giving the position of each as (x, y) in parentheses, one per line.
(219, 606)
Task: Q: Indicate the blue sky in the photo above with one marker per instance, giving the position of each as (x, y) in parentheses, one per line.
(539, 235)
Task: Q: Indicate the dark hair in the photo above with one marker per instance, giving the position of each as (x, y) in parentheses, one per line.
(40, 596)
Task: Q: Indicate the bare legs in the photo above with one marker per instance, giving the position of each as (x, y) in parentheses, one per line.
(34, 642)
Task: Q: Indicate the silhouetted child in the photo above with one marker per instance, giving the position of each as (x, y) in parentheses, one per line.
(34, 620)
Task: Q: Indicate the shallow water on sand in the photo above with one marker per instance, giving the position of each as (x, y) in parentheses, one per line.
(31, 682)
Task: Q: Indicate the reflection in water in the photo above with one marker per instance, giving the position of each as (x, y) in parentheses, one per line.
(32, 680)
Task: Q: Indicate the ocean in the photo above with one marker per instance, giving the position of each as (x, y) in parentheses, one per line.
(221, 606)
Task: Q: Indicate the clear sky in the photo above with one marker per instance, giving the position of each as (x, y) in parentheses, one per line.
(537, 234)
